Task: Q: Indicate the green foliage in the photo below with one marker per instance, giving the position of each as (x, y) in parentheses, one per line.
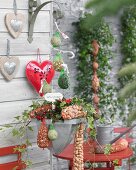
(128, 46)
(128, 73)
(107, 149)
(128, 21)
(127, 70)
(128, 90)
(103, 8)
(82, 40)
(131, 117)
(19, 132)
(116, 162)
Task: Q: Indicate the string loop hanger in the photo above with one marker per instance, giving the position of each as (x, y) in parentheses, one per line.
(34, 8)
(15, 7)
(39, 56)
(64, 52)
(8, 48)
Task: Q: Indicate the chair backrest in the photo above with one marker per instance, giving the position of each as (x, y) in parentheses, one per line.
(11, 165)
(123, 129)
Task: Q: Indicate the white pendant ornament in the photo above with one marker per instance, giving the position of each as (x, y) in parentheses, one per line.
(14, 22)
(9, 65)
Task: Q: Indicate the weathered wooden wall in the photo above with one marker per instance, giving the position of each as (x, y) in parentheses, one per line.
(16, 95)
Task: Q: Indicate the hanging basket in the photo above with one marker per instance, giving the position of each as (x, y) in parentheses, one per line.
(66, 130)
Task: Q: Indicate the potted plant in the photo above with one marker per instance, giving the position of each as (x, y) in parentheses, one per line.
(57, 122)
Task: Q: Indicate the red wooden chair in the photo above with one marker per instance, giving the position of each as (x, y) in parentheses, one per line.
(19, 164)
(127, 137)
(123, 129)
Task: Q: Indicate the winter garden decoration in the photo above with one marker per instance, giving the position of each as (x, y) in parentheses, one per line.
(108, 103)
(9, 65)
(54, 118)
(14, 22)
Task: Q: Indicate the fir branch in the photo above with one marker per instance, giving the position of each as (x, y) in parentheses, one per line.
(103, 8)
(127, 70)
(128, 90)
(131, 117)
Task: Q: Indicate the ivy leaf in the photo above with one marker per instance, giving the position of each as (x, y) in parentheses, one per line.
(28, 143)
(30, 128)
(8, 126)
(15, 132)
(62, 104)
(116, 162)
(17, 117)
(107, 149)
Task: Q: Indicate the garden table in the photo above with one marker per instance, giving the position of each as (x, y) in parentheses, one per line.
(96, 158)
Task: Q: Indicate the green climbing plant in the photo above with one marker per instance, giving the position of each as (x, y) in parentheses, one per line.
(82, 39)
(128, 47)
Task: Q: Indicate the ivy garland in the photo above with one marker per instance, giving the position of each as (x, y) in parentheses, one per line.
(128, 23)
(82, 39)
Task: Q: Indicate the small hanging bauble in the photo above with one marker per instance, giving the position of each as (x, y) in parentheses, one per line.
(56, 40)
(63, 80)
(52, 133)
(57, 62)
(42, 138)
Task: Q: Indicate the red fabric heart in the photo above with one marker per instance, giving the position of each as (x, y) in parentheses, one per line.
(37, 72)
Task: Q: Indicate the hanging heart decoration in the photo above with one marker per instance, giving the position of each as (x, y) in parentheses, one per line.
(14, 24)
(37, 73)
(9, 67)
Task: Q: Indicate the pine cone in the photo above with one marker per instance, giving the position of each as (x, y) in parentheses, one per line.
(42, 138)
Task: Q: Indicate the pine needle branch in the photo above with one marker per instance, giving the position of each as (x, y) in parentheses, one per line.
(127, 70)
(103, 8)
(132, 117)
(128, 90)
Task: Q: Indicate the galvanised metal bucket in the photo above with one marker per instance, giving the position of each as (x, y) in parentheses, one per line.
(66, 130)
(104, 134)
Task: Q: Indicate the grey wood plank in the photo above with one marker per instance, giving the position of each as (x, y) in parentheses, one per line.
(42, 23)
(22, 4)
(21, 46)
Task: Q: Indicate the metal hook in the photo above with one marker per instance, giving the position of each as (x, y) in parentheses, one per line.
(8, 47)
(15, 7)
(33, 15)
